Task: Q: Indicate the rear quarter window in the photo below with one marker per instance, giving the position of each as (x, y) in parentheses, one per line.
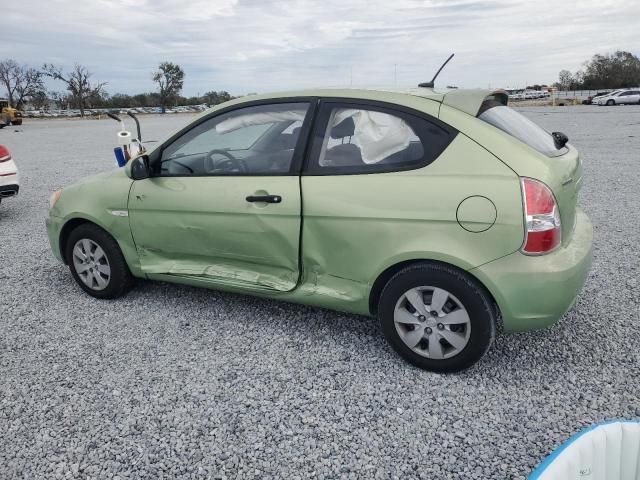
(520, 127)
(355, 138)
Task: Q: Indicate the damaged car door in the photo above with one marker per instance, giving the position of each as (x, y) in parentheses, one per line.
(223, 200)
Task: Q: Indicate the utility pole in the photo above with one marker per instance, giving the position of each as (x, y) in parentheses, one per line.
(395, 74)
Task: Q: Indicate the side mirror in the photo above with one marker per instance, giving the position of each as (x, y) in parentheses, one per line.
(139, 168)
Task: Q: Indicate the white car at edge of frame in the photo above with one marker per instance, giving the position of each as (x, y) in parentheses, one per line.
(9, 177)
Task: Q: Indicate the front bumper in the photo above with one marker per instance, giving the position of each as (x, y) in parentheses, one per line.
(54, 225)
(535, 291)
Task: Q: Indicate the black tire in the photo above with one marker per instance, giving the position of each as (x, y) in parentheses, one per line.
(610, 103)
(471, 294)
(120, 279)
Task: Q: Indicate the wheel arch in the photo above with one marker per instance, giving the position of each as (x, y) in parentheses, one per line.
(118, 228)
(69, 226)
(384, 277)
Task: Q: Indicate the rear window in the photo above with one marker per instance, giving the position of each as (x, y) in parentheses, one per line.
(520, 127)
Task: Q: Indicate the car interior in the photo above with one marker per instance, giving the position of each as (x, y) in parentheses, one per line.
(347, 153)
(270, 151)
(263, 142)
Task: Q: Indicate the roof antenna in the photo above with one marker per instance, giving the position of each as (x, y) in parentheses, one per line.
(430, 84)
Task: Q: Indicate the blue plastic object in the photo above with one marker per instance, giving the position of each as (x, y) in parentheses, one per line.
(119, 153)
(609, 451)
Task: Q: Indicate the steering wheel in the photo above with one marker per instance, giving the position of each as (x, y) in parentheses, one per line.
(231, 164)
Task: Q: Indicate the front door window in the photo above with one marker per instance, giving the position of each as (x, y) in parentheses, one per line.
(258, 140)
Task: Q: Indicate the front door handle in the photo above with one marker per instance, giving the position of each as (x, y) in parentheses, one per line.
(264, 198)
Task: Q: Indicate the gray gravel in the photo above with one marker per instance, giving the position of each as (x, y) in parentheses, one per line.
(179, 382)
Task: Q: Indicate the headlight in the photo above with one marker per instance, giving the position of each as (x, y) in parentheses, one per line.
(54, 198)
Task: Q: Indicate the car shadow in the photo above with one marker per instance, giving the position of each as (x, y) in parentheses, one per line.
(194, 312)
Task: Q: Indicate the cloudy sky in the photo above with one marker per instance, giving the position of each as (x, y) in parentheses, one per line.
(262, 45)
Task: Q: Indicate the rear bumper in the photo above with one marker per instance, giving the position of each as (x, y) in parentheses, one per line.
(9, 179)
(535, 291)
(10, 190)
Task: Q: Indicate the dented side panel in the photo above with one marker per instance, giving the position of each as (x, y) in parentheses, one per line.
(356, 226)
(203, 227)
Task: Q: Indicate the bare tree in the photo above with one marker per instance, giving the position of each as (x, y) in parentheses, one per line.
(78, 83)
(565, 79)
(41, 100)
(20, 82)
(60, 99)
(170, 78)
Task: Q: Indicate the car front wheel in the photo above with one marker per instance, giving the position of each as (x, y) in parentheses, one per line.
(96, 262)
(610, 102)
(437, 317)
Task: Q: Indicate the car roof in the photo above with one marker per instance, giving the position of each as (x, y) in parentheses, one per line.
(466, 100)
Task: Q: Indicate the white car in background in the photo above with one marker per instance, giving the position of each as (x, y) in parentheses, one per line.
(605, 96)
(621, 97)
(9, 179)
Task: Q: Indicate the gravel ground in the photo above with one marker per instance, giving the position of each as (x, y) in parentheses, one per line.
(179, 382)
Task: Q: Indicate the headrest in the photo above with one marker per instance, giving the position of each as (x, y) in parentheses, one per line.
(344, 129)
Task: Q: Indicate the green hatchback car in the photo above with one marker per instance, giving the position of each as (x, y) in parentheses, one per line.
(447, 215)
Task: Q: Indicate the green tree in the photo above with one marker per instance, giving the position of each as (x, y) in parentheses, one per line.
(170, 78)
(618, 70)
(214, 98)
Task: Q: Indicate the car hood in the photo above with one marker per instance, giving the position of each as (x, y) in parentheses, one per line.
(117, 174)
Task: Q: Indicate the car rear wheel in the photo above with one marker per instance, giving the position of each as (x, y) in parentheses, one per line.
(437, 317)
(96, 262)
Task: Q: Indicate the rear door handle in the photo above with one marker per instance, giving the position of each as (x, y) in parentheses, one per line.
(264, 198)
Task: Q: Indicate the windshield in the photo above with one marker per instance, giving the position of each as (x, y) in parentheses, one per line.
(235, 140)
(237, 131)
(520, 127)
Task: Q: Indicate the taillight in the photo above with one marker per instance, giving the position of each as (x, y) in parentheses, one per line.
(5, 156)
(542, 218)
